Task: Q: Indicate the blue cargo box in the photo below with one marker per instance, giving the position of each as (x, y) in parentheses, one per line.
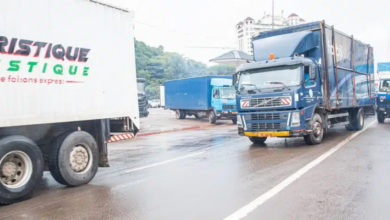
(190, 93)
(347, 74)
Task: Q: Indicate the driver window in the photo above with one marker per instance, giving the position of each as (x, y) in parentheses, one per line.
(216, 94)
(306, 73)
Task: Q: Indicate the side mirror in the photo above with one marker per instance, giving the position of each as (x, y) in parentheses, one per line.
(235, 77)
(312, 72)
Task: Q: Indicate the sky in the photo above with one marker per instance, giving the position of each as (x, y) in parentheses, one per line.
(180, 25)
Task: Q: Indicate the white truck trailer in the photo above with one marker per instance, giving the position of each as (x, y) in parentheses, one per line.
(67, 67)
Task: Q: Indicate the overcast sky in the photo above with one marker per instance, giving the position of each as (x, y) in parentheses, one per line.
(181, 24)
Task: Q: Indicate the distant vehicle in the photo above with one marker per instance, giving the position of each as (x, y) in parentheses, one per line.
(208, 96)
(305, 79)
(383, 100)
(154, 103)
(142, 98)
(62, 93)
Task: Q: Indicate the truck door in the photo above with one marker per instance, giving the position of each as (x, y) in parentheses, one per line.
(216, 99)
(312, 91)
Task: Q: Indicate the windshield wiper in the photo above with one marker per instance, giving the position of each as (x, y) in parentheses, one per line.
(279, 83)
(253, 86)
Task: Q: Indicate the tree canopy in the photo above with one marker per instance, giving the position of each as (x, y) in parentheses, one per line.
(157, 66)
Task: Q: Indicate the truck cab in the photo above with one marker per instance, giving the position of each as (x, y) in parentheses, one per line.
(281, 92)
(142, 98)
(383, 100)
(223, 100)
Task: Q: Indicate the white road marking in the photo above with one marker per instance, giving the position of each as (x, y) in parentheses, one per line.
(162, 163)
(244, 211)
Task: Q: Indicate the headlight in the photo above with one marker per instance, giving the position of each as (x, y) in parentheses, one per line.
(296, 119)
(239, 121)
(382, 109)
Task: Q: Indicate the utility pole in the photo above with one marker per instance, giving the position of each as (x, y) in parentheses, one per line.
(272, 14)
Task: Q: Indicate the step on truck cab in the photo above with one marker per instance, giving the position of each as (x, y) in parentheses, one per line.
(62, 80)
(305, 80)
(207, 96)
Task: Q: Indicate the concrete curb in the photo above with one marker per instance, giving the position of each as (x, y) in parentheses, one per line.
(174, 130)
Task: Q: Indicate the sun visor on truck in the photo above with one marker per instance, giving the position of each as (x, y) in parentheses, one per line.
(221, 82)
(285, 45)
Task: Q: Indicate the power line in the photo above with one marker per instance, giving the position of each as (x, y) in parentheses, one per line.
(180, 32)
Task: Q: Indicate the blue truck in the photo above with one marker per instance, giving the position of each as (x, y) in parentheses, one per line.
(304, 80)
(383, 95)
(207, 96)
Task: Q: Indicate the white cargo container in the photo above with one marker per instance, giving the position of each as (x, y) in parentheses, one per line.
(66, 68)
(162, 96)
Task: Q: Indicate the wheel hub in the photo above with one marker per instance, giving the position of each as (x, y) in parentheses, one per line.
(16, 169)
(317, 129)
(79, 158)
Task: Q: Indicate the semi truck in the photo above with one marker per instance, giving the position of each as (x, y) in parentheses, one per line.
(305, 80)
(60, 77)
(383, 94)
(207, 96)
(142, 98)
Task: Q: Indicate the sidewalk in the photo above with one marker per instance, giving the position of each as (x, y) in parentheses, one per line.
(162, 121)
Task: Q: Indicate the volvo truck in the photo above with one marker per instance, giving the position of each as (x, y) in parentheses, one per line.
(305, 80)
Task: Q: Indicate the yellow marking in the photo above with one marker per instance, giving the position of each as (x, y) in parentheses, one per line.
(268, 134)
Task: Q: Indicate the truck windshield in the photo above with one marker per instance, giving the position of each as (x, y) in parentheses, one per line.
(261, 78)
(141, 87)
(384, 85)
(228, 93)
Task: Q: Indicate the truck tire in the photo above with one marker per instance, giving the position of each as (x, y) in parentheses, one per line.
(381, 118)
(356, 120)
(317, 134)
(180, 114)
(21, 168)
(234, 120)
(258, 140)
(74, 158)
(212, 117)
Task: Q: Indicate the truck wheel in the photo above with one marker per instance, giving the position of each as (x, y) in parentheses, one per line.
(258, 140)
(74, 158)
(21, 168)
(356, 120)
(234, 120)
(212, 117)
(315, 137)
(380, 117)
(180, 114)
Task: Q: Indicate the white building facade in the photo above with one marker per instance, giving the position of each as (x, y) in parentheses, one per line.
(249, 27)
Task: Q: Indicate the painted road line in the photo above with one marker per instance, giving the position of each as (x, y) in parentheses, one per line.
(244, 211)
(162, 163)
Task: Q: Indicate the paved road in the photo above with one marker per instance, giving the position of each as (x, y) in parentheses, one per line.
(212, 173)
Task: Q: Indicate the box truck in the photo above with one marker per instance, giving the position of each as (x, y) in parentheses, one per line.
(305, 80)
(211, 96)
(65, 66)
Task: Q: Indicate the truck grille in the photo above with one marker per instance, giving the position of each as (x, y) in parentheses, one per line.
(265, 126)
(266, 102)
(386, 102)
(267, 116)
(227, 107)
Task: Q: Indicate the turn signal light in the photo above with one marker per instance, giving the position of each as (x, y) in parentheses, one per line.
(271, 56)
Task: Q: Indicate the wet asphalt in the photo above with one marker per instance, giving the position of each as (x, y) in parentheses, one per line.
(211, 173)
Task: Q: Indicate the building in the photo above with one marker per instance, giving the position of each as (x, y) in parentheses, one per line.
(249, 27)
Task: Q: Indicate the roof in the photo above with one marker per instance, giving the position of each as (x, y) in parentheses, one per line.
(301, 19)
(240, 23)
(249, 18)
(277, 62)
(293, 15)
(233, 55)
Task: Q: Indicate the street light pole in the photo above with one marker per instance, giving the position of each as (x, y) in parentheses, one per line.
(272, 14)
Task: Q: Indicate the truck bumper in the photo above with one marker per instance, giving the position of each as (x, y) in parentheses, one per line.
(227, 114)
(271, 124)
